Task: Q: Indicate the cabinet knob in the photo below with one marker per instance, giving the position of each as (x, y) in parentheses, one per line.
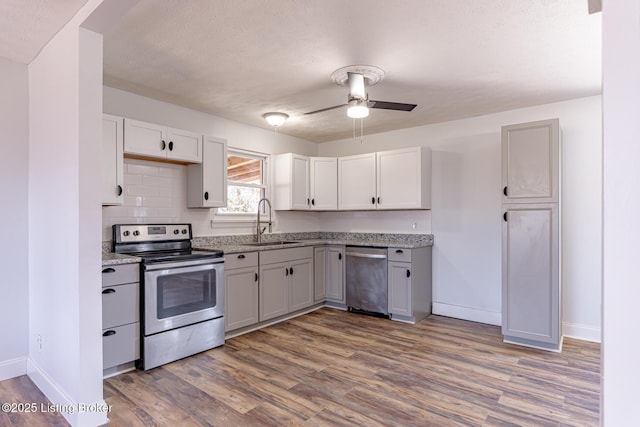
(340, 255)
(108, 270)
(206, 195)
(313, 202)
(291, 271)
(504, 216)
(241, 256)
(399, 251)
(170, 145)
(255, 277)
(373, 200)
(119, 190)
(378, 200)
(408, 273)
(504, 191)
(109, 333)
(164, 145)
(109, 291)
(286, 271)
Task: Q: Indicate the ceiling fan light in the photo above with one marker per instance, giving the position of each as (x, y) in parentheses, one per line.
(357, 111)
(275, 119)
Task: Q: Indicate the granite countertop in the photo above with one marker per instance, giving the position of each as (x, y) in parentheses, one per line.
(241, 243)
(110, 258)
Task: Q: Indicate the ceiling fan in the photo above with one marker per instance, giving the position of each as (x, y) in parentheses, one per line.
(357, 77)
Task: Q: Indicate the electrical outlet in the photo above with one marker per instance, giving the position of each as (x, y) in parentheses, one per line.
(414, 225)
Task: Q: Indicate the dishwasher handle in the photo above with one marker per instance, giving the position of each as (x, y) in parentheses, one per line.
(365, 255)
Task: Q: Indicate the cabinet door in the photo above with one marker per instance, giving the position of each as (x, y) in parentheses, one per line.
(274, 291)
(300, 182)
(530, 162)
(334, 276)
(400, 288)
(319, 266)
(357, 182)
(207, 181)
(324, 183)
(241, 298)
(530, 273)
(301, 284)
(400, 178)
(184, 146)
(145, 139)
(112, 160)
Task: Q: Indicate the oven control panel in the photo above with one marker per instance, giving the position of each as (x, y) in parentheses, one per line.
(131, 233)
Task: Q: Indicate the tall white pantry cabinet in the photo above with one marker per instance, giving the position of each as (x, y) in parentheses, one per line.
(531, 292)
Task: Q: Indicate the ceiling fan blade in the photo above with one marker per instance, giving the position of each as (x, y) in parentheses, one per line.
(356, 86)
(325, 109)
(391, 105)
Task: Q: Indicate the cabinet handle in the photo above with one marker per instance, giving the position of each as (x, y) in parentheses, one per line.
(408, 273)
(109, 291)
(504, 216)
(108, 270)
(170, 145)
(291, 271)
(109, 333)
(241, 256)
(504, 191)
(399, 251)
(307, 201)
(206, 195)
(313, 202)
(378, 200)
(119, 190)
(339, 255)
(286, 271)
(255, 277)
(373, 200)
(164, 145)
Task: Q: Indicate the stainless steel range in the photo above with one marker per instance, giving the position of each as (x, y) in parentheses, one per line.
(182, 303)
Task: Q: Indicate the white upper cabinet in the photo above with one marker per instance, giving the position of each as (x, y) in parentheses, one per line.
(291, 182)
(404, 179)
(530, 162)
(357, 182)
(161, 142)
(324, 183)
(112, 160)
(207, 181)
(303, 183)
(395, 179)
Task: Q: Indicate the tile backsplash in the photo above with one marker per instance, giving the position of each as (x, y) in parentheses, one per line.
(155, 192)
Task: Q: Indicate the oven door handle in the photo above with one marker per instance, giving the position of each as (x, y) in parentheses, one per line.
(182, 264)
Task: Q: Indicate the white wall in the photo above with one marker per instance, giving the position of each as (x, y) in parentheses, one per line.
(466, 209)
(621, 278)
(14, 286)
(156, 191)
(65, 82)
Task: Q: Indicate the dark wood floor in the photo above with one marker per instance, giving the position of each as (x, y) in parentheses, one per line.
(337, 368)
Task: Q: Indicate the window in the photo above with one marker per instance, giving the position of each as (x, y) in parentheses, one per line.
(246, 182)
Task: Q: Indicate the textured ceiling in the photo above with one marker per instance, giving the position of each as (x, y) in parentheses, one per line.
(27, 25)
(241, 58)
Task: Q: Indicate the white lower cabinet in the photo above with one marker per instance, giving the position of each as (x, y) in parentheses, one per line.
(120, 314)
(409, 275)
(329, 275)
(241, 290)
(286, 281)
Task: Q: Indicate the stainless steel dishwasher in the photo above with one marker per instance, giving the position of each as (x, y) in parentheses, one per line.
(366, 271)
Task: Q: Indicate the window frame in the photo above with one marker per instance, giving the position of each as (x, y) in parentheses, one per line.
(246, 217)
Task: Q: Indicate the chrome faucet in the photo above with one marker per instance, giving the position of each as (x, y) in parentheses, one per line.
(258, 230)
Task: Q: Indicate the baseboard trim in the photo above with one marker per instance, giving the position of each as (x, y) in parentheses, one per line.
(582, 332)
(467, 313)
(13, 368)
(76, 413)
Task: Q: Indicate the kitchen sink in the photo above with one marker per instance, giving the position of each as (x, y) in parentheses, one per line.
(270, 243)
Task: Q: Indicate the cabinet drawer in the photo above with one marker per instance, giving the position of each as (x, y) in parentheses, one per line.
(399, 254)
(120, 305)
(240, 260)
(285, 255)
(119, 274)
(120, 345)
